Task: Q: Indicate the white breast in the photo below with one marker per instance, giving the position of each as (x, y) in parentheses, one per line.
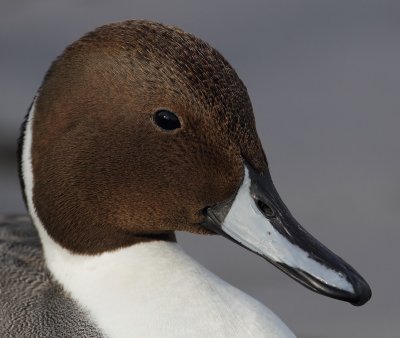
(156, 290)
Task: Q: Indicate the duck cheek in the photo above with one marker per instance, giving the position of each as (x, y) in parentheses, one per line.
(221, 181)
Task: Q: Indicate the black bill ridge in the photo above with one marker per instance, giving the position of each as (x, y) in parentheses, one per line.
(265, 226)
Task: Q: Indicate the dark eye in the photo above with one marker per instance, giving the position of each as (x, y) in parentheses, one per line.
(166, 120)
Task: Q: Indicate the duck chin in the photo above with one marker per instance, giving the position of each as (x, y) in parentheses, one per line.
(257, 219)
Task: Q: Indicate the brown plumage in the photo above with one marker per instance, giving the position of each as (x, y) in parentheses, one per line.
(105, 175)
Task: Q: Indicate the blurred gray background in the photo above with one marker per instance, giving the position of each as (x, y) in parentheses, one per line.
(324, 80)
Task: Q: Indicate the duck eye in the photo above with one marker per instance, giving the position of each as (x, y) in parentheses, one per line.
(166, 120)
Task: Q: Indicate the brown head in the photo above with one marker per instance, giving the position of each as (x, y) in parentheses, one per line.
(104, 170)
(140, 129)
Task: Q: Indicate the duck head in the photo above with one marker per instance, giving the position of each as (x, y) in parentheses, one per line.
(140, 129)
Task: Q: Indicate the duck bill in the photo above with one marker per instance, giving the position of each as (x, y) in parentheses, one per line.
(257, 219)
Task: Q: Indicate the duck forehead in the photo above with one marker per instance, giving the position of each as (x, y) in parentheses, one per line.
(138, 67)
(169, 57)
(144, 57)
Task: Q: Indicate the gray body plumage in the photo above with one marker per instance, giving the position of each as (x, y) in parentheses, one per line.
(32, 304)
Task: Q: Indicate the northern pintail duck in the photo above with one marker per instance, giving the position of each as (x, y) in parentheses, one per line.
(140, 130)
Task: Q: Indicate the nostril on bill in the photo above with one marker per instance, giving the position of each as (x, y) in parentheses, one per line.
(265, 209)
